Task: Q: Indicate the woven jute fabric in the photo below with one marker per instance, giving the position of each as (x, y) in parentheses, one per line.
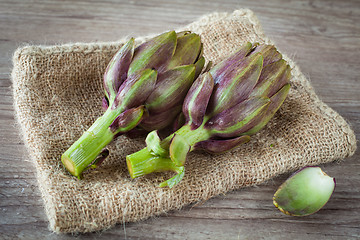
(57, 95)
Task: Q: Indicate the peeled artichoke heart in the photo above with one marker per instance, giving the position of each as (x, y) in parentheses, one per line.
(305, 192)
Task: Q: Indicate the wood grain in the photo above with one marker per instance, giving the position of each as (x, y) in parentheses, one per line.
(323, 37)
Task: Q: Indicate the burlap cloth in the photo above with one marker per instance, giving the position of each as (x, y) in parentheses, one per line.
(57, 96)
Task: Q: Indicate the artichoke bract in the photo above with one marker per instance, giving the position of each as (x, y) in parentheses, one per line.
(223, 107)
(144, 86)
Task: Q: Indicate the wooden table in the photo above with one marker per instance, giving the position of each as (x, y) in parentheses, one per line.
(323, 37)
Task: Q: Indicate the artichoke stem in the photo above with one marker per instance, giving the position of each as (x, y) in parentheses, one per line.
(192, 136)
(86, 149)
(144, 162)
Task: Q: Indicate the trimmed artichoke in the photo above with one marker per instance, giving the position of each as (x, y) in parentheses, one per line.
(144, 86)
(224, 106)
(305, 192)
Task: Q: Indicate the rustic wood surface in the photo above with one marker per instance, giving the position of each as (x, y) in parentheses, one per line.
(323, 37)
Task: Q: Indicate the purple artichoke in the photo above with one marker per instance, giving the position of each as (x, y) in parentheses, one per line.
(144, 87)
(223, 107)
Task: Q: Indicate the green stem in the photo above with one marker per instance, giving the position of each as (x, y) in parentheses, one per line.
(146, 161)
(193, 136)
(85, 150)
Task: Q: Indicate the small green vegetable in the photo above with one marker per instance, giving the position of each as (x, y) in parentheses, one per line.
(305, 192)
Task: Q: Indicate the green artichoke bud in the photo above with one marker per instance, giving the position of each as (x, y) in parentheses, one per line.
(145, 87)
(305, 192)
(224, 106)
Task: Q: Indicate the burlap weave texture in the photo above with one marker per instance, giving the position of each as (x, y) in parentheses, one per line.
(57, 96)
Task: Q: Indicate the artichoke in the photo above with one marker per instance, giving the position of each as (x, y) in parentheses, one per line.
(305, 192)
(144, 86)
(223, 107)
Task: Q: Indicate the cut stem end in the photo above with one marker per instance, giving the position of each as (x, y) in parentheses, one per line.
(69, 165)
(144, 162)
